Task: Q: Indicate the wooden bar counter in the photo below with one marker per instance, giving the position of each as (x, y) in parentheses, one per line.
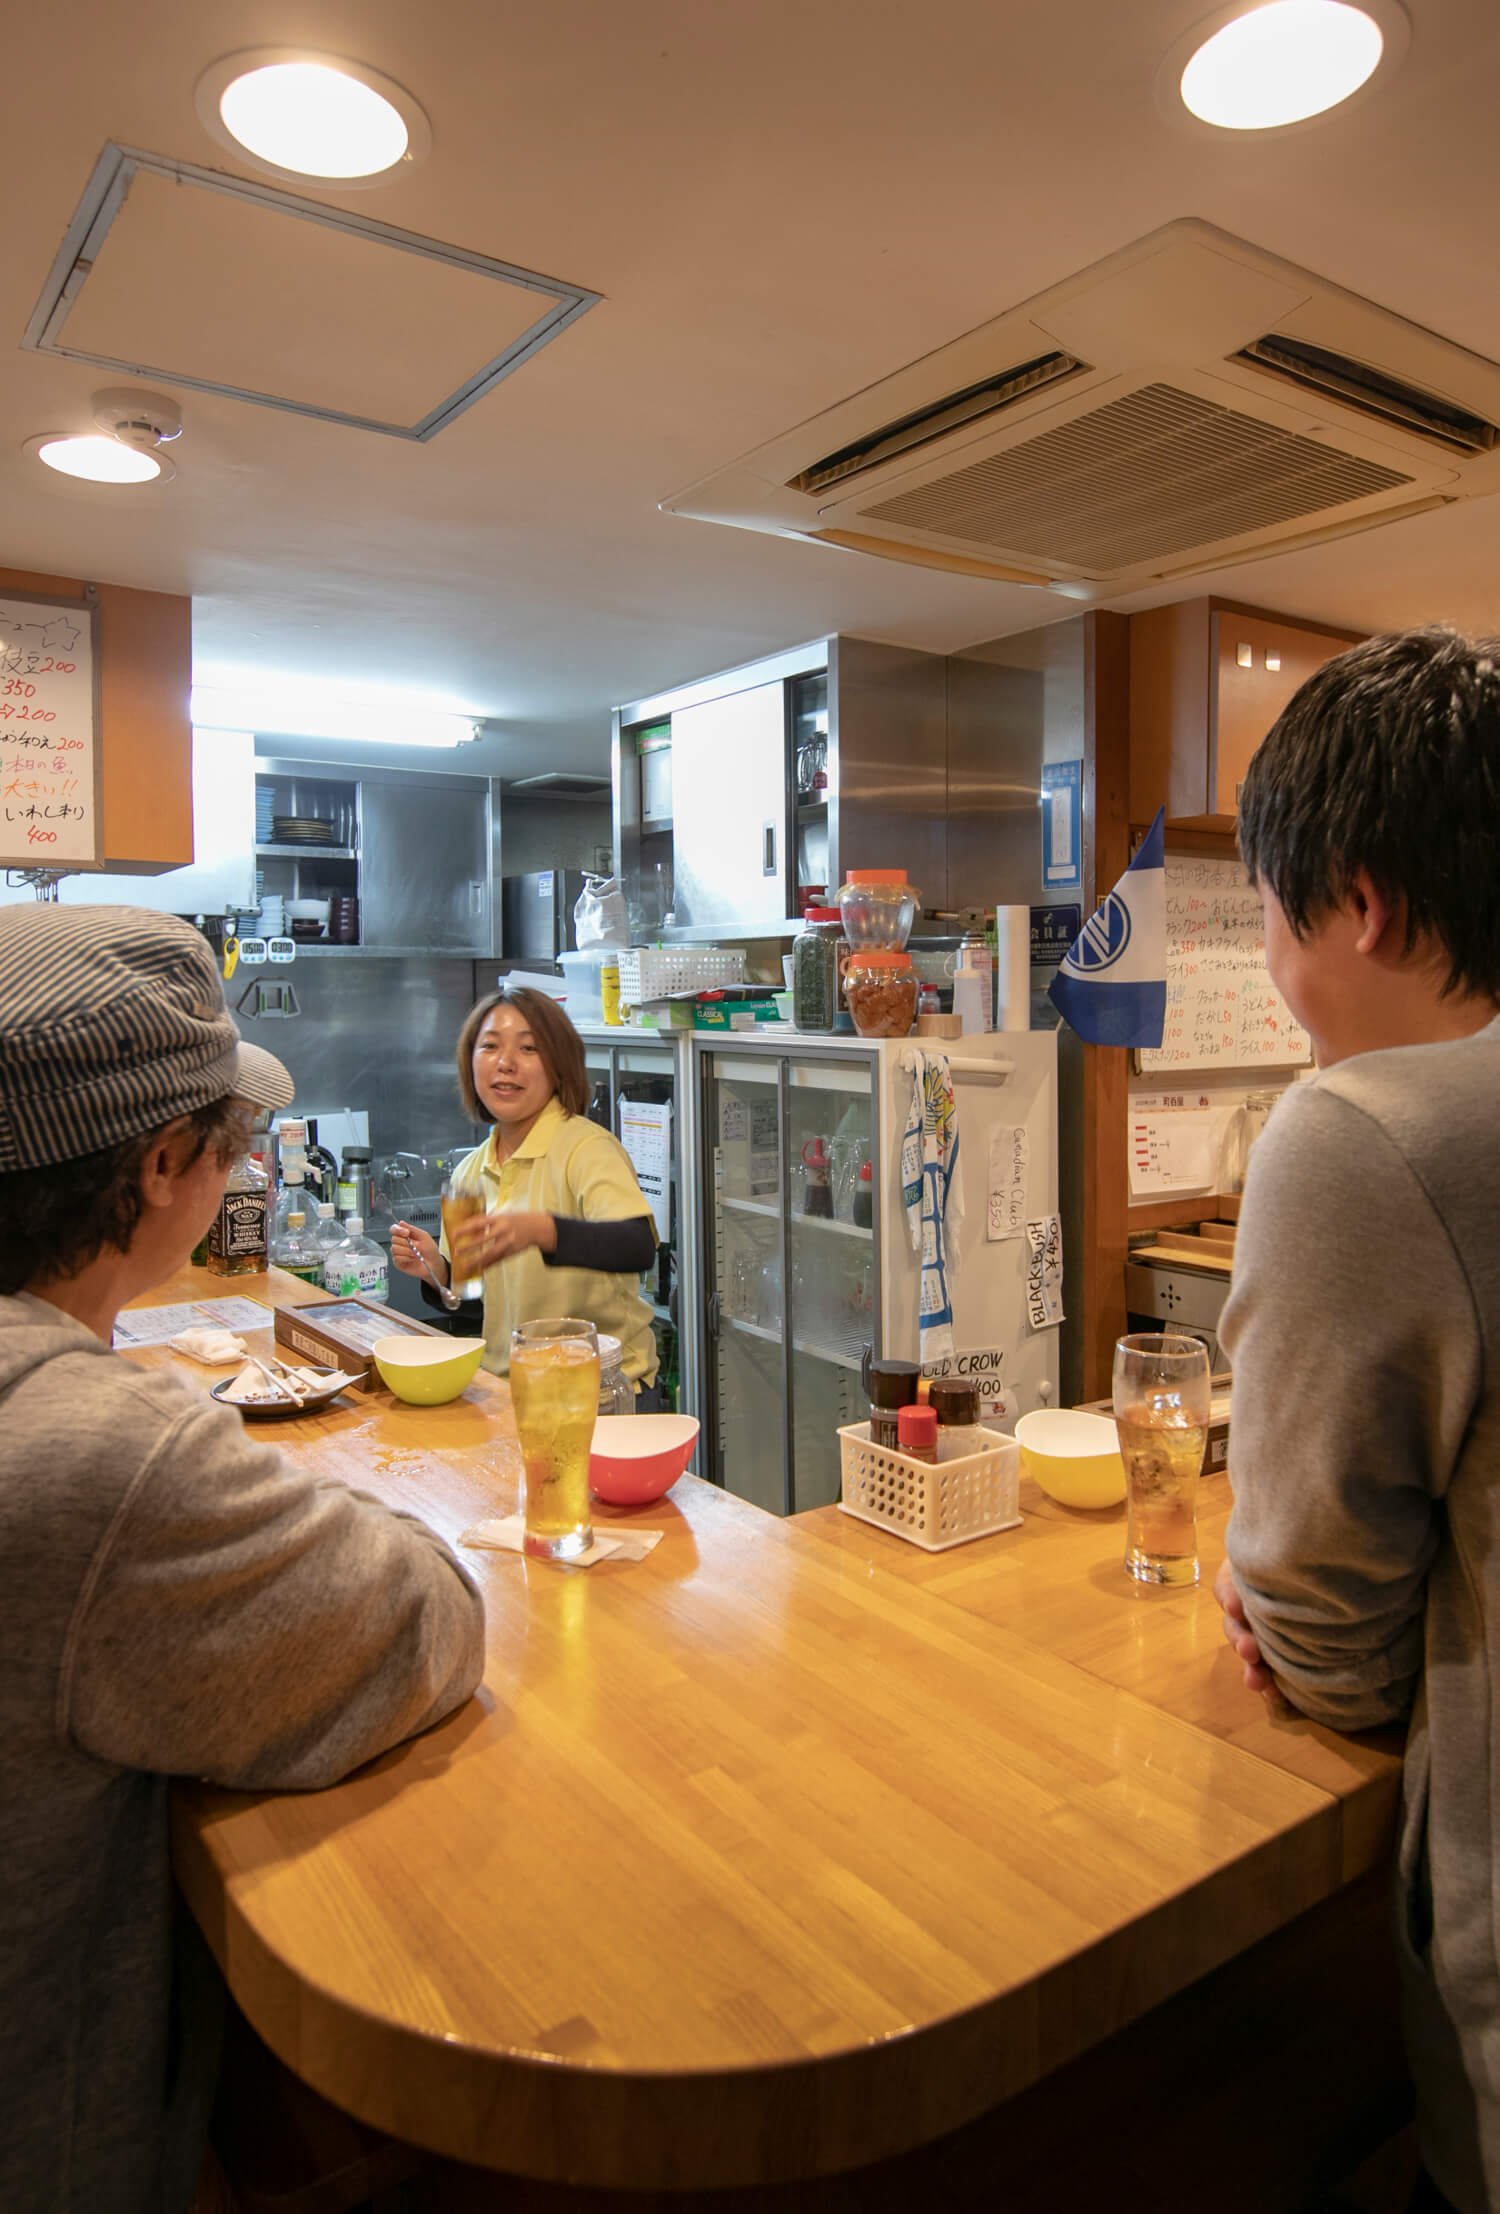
(785, 1850)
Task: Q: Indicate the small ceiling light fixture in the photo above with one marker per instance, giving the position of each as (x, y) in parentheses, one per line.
(316, 116)
(1274, 64)
(133, 427)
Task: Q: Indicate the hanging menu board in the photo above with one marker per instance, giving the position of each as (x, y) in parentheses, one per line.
(49, 758)
(1223, 1011)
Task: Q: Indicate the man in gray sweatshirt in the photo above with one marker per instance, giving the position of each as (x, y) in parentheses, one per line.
(174, 1599)
(1364, 1321)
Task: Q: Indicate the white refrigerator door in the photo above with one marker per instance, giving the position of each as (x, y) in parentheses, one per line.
(992, 1329)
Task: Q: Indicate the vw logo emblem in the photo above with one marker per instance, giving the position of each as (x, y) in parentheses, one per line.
(1104, 936)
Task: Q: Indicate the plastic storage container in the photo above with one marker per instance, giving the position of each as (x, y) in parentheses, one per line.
(878, 908)
(880, 989)
(583, 974)
(931, 1504)
(616, 1392)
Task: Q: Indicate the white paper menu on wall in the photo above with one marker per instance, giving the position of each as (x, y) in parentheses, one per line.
(49, 762)
(1223, 1011)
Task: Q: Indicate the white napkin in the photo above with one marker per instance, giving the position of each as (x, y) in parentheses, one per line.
(215, 1348)
(252, 1387)
(505, 1535)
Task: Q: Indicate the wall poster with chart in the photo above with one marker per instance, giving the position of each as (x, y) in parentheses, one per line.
(1223, 1011)
(49, 754)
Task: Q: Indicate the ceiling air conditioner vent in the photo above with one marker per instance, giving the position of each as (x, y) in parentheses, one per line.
(1187, 404)
(1141, 478)
(562, 784)
(1373, 392)
(910, 431)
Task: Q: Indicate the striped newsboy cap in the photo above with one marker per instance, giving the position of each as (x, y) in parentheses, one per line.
(112, 1024)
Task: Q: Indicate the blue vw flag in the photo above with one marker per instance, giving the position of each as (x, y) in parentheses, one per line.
(1112, 986)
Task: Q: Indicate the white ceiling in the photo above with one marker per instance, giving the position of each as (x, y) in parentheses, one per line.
(780, 204)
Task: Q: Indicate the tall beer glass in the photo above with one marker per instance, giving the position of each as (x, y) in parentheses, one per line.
(1161, 1400)
(554, 1388)
(459, 1207)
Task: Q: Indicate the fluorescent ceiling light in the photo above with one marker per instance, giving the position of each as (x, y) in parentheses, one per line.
(98, 459)
(1281, 63)
(311, 115)
(292, 710)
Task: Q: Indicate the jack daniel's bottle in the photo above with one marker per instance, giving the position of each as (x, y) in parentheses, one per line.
(237, 1234)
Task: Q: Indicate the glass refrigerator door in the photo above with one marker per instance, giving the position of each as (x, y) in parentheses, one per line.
(645, 1114)
(834, 1281)
(746, 1345)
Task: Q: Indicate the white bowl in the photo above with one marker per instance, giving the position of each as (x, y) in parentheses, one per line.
(305, 910)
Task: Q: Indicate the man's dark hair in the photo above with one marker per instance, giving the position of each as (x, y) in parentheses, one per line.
(55, 1220)
(1388, 760)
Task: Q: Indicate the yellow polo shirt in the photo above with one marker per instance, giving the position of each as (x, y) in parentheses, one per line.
(565, 1165)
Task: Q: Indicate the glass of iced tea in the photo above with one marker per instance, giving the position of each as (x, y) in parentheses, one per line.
(554, 1388)
(1161, 1400)
(460, 1207)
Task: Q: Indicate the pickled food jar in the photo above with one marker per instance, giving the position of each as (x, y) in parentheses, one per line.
(880, 990)
(818, 954)
(878, 907)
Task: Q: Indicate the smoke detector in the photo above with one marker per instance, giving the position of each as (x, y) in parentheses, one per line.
(144, 420)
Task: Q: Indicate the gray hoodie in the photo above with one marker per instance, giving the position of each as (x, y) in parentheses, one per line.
(175, 1600)
(1364, 1327)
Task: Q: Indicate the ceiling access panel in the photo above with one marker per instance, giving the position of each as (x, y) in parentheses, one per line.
(202, 280)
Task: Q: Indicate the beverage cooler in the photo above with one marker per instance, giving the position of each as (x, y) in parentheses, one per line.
(643, 1093)
(806, 1262)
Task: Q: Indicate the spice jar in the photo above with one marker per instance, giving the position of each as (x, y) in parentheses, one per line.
(956, 1405)
(818, 954)
(891, 1386)
(916, 1433)
(881, 990)
(878, 908)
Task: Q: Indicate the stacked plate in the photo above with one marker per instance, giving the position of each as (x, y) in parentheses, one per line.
(301, 830)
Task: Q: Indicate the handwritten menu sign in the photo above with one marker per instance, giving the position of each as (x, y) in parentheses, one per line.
(49, 769)
(1222, 1008)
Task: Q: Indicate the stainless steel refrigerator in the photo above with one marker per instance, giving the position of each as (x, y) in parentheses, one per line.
(536, 914)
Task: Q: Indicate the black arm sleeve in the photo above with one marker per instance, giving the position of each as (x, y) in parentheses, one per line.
(614, 1248)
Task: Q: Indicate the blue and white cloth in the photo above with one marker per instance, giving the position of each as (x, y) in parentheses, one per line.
(1112, 985)
(933, 1196)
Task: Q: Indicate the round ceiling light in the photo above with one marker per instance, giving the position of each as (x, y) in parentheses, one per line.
(1279, 63)
(312, 115)
(97, 459)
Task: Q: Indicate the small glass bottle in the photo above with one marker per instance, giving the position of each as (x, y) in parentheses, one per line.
(916, 1433)
(891, 1385)
(616, 1392)
(960, 1431)
(862, 1206)
(237, 1234)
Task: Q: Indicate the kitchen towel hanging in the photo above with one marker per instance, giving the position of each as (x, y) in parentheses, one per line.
(933, 1197)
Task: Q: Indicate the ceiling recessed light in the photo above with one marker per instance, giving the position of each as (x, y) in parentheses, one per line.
(1276, 64)
(98, 459)
(312, 115)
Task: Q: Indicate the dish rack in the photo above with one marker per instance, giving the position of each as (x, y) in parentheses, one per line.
(931, 1504)
(656, 972)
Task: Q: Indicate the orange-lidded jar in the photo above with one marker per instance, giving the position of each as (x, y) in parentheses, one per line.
(877, 908)
(880, 991)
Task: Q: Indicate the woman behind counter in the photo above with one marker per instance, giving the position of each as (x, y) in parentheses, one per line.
(566, 1228)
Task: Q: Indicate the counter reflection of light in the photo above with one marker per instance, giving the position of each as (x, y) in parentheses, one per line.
(291, 708)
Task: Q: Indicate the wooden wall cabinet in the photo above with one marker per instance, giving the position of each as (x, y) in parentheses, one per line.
(145, 740)
(1207, 680)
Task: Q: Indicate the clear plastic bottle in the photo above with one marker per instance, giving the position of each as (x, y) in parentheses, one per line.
(291, 1197)
(294, 1247)
(237, 1234)
(327, 1230)
(356, 1264)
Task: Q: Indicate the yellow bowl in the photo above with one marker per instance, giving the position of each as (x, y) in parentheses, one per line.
(427, 1371)
(1075, 1457)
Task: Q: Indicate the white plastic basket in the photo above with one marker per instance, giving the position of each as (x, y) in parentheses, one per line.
(933, 1504)
(655, 972)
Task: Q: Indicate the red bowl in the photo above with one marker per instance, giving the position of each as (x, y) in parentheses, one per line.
(635, 1458)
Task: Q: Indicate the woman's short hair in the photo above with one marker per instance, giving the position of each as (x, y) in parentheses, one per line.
(557, 1042)
(1387, 760)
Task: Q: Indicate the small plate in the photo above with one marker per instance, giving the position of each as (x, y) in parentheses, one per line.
(275, 1410)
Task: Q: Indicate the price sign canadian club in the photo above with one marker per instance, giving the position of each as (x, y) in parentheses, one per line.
(49, 758)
